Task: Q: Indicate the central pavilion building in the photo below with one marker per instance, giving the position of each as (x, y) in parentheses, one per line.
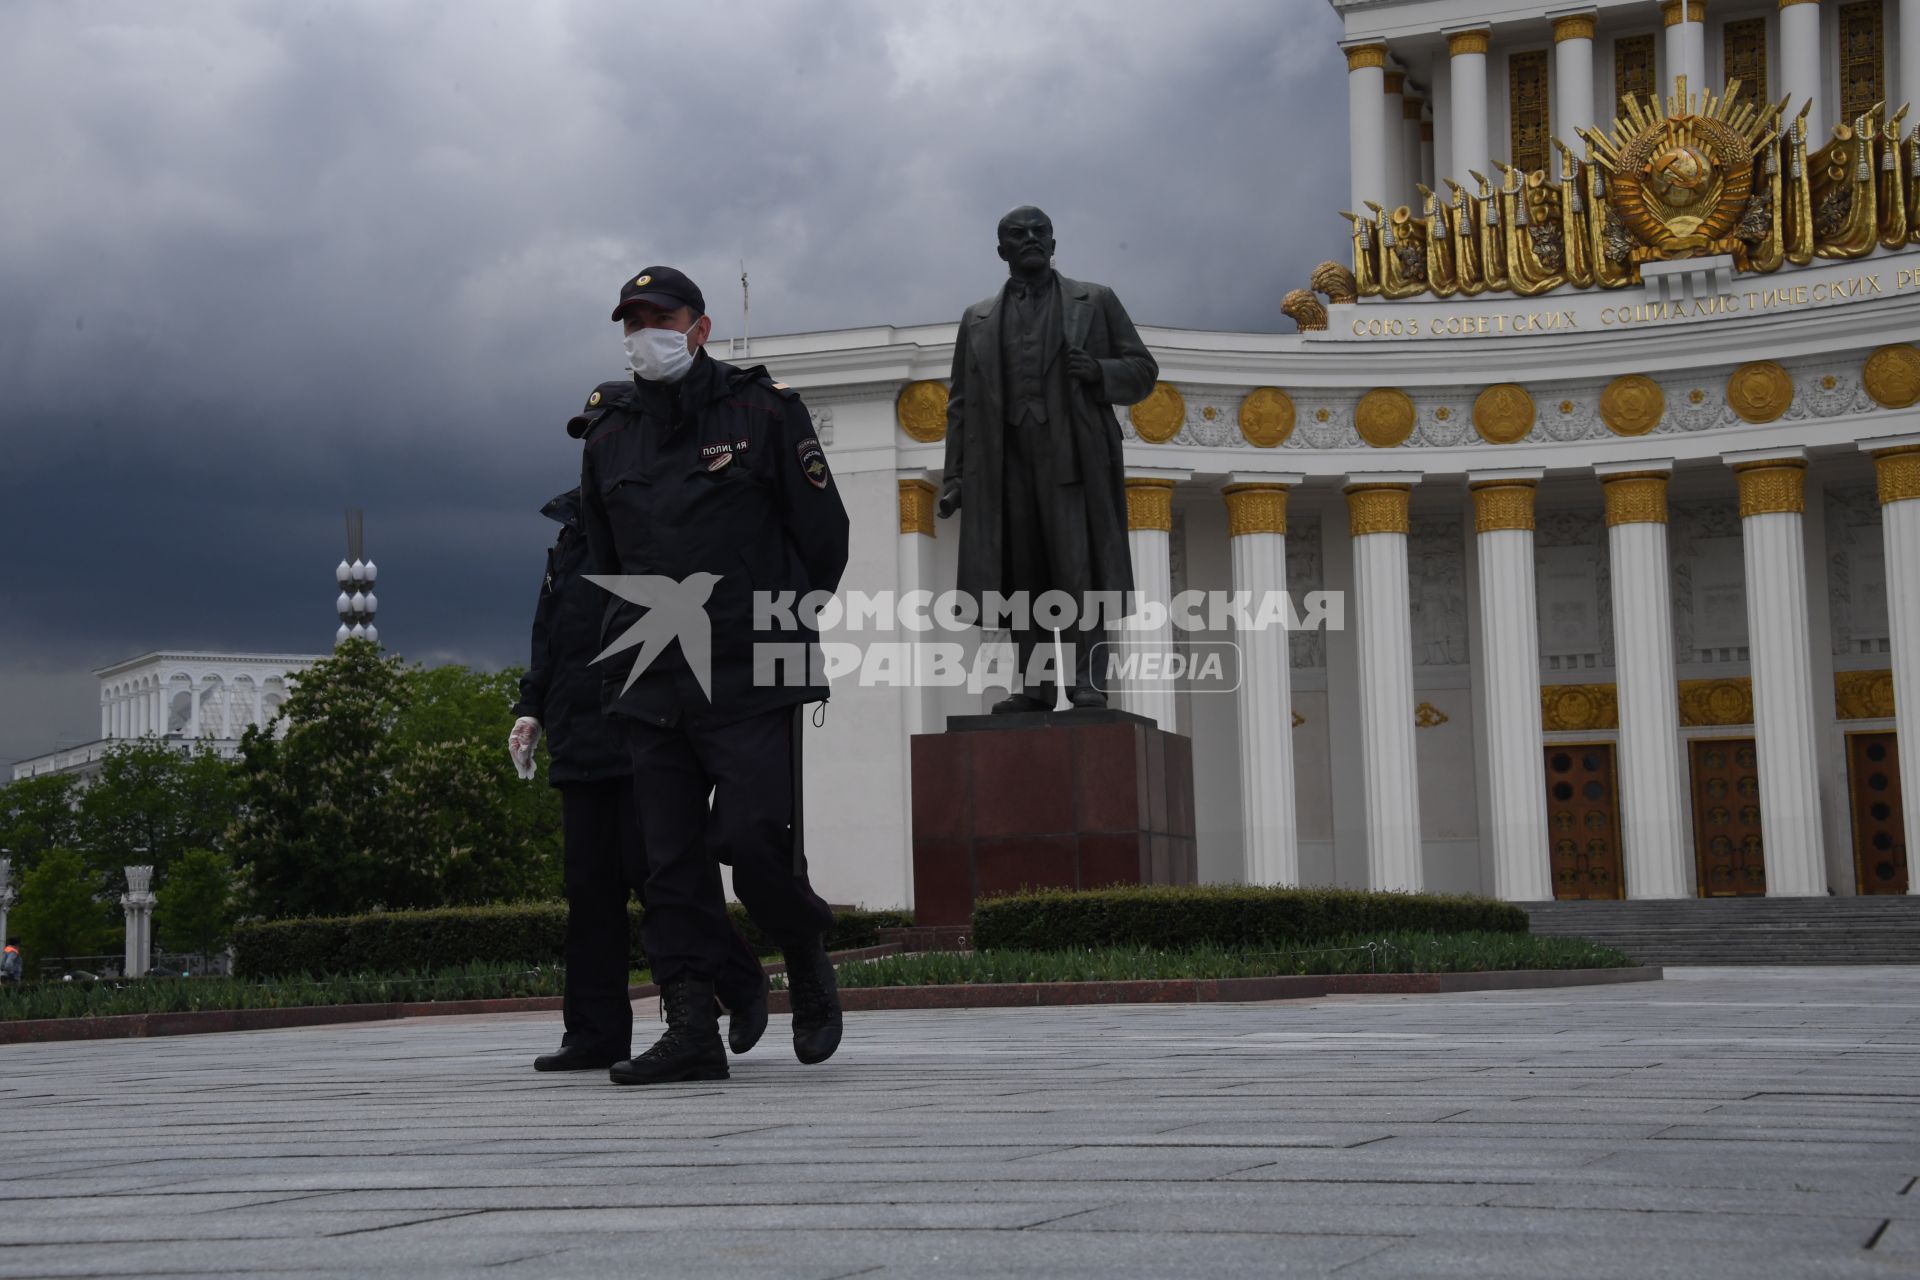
(1606, 431)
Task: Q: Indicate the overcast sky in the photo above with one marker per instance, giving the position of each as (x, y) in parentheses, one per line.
(262, 261)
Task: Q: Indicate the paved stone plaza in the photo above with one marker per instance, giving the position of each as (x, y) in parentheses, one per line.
(1722, 1122)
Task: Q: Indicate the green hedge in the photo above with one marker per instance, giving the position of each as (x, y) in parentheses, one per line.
(1173, 919)
(429, 941)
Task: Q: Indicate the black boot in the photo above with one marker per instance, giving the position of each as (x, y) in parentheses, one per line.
(690, 1049)
(747, 1020)
(573, 1057)
(816, 1001)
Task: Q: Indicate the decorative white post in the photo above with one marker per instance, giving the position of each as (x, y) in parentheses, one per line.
(1257, 529)
(1510, 637)
(1393, 143)
(1686, 43)
(1467, 69)
(1652, 827)
(1150, 541)
(1772, 500)
(138, 902)
(1414, 158)
(1800, 65)
(1898, 466)
(1367, 123)
(1382, 616)
(1572, 74)
(7, 896)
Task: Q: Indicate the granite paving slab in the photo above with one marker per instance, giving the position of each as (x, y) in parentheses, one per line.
(1750, 1122)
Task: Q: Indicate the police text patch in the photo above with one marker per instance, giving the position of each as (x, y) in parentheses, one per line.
(813, 463)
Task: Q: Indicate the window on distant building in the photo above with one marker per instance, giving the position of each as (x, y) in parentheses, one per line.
(1863, 79)
(1745, 45)
(1632, 68)
(1529, 124)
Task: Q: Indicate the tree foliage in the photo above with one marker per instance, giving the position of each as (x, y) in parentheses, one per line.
(36, 816)
(60, 911)
(152, 802)
(391, 788)
(197, 911)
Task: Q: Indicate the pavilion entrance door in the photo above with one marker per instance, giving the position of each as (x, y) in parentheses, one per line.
(1583, 821)
(1727, 849)
(1873, 791)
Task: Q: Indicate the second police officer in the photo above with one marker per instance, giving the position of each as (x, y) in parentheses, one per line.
(703, 486)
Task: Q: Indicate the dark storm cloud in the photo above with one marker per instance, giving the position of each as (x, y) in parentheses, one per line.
(259, 261)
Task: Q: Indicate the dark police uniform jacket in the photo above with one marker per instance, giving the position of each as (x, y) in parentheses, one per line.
(719, 473)
(560, 689)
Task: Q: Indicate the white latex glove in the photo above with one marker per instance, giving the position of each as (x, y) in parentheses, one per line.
(521, 741)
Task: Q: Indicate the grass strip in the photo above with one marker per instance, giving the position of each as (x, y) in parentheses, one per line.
(1377, 953)
(107, 997)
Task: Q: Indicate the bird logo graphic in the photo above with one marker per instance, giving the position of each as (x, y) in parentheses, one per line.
(676, 609)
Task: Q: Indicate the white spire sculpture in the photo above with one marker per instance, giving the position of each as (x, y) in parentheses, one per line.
(355, 577)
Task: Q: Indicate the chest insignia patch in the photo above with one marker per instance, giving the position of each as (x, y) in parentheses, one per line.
(719, 460)
(813, 463)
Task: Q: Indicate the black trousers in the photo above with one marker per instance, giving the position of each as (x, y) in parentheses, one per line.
(604, 862)
(708, 792)
(1046, 548)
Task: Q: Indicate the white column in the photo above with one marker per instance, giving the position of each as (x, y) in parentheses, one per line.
(1441, 129)
(193, 707)
(1149, 540)
(1510, 640)
(918, 498)
(1467, 69)
(1652, 826)
(1772, 503)
(159, 697)
(1686, 45)
(8, 896)
(1898, 465)
(1393, 143)
(1366, 124)
(106, 715)
(1414, 172)
(1801, 66)
(1428, 173)
(1572, 75)
(1381, 615)
(138, 903)
(1257, 528)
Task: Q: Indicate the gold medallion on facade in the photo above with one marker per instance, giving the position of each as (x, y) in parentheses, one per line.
(1632, 405)
(1759, 391)
(917, 507)
(1266, 417)
(1863, 695)
(1502, 504)
(1159, 417)
(1772, 487)
(1716, 702)
(1384, 417)
(1579, 708)
(1255, 508)
(921, 411)
(1377, 508)
(1635, 497)
(1503, 413)
(1892, 376)
(1149, 503)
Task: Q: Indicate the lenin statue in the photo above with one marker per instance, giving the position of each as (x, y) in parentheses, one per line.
(1033, 447)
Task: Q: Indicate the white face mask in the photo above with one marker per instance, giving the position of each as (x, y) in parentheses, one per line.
(658, 355)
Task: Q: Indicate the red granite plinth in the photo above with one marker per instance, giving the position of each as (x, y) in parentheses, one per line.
(1070, 800)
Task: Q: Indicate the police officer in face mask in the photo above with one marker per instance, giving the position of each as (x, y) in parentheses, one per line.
(704, 488)
(560, 695)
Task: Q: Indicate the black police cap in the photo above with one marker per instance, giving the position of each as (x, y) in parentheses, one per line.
(662, 287)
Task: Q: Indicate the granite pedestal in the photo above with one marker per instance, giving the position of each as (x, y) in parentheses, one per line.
(1068, 799)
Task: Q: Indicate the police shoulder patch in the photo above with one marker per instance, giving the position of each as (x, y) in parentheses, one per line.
(813, 463)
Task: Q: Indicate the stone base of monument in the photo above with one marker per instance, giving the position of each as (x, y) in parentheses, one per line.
(1050, 799)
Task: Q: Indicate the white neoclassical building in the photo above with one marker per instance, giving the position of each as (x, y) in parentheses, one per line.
(1614, 456)
(185, 697)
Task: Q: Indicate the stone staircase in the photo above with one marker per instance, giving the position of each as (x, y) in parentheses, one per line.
(1738, 931)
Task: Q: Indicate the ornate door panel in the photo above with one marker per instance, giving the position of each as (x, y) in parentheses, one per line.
(1879, 839)
(1583, 821)
(1726, 817)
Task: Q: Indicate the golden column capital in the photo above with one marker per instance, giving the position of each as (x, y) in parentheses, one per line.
(1573, 26)
(1377, 508)
(1772, 486)
(1635, 497)
(1394, 81)
(1361, 56)
(1426, 131)
(1502, 504)
(1785, 3)
(1149, 503)
(917, 506)
(1411, 107)
(1463, 42)
(1670, 15)
(1898, 472)
(1255, 508)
